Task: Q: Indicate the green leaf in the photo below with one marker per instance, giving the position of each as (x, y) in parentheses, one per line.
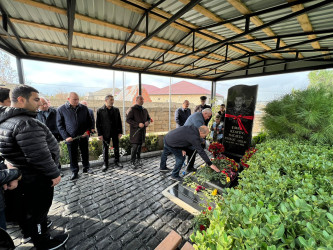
(279, 233)
(329, 216)
(303, 241)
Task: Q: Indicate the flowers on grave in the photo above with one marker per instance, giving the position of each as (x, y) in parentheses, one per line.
(216, 149)
(209, 208)
(199, 188)
(202, 228)
(214, 192)
(248, 154)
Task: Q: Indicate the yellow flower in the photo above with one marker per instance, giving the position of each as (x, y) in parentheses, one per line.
(202, 166)
(214, 192)
(228, 179)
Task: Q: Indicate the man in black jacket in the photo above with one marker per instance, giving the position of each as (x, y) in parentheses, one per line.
(74, 124)
(48, 116)
(182, 114)
(91, 112)
(177, 141)
(138, 118)
(28, 145)
(109, 127)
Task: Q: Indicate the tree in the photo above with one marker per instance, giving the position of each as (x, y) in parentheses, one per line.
(8, 75)
(321, 78)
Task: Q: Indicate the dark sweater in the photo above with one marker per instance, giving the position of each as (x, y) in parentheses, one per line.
(185, 137)
(181, 116)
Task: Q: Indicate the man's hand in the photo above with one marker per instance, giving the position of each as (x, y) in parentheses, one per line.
(120, 135)
(85, 134)
(214, 168)
(100, 137)
(146, 124)
(12, 185)
(56, 181)
(69, 139)
(9, 166)
(183, 152)
(4, 186)
(141, 125)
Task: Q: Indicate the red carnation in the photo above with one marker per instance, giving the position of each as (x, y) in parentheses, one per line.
(151, 120)
(202, 227)
(88, 132)
(209, 208)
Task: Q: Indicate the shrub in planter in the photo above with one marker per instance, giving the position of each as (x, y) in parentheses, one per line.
(303, 115)
(283, 201)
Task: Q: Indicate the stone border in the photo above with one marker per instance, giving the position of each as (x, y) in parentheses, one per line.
(122, 159)
(178, 201)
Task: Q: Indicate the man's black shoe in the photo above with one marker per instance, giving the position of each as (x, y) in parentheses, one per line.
(54, 243)
(118, 164)
(74, 176)
(133, 165)
(87, 171)
(104, 168)
(188, 170)
(139, 163)
(164, 170)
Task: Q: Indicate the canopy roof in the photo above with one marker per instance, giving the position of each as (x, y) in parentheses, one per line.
(198, 39)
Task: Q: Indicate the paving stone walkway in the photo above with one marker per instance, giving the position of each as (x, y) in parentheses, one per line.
(119, 209)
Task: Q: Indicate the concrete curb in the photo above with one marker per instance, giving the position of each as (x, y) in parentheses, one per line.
(125, 158)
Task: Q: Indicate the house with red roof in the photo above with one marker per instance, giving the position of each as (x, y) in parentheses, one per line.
(181, 91)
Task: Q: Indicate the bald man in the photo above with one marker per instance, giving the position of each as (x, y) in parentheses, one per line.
(177, 141)
(73, 120)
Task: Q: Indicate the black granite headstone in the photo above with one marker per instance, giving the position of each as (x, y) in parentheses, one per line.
(238, 121)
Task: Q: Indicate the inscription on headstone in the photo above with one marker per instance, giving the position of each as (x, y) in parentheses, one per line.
(239, 117)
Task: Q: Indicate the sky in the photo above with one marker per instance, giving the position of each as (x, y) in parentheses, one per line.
(52, 78)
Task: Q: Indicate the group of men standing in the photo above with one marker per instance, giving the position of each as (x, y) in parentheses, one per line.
(30, 130)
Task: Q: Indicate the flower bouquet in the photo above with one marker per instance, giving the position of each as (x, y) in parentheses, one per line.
(216, 149)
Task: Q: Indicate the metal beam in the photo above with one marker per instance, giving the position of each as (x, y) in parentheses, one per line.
(71, 5)
(8, 49)
(281, 62)
(145, 15)
(317, 67)
(165, 52)
(12, 44)
(278, 20)
(260, 12)
(219, 64)
(20, 70)
(181, 12)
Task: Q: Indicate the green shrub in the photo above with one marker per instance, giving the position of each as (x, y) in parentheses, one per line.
(64, 157)
(95, 148)
(260, 138)
(151, 142)
(303, 115)
(283, 201)
(125, 144)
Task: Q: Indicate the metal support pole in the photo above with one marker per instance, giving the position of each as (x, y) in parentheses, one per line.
(170, 83)
(20, 70)
(140, 85)
(213, 92)
(114, 83)
(124, 113)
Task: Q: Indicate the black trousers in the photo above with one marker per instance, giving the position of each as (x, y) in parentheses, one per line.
(73, 150)
(106, 145)
(36, 202)
(136, 152)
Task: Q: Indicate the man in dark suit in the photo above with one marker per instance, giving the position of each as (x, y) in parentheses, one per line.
(74, 121)
(109, 127)
(182, 114)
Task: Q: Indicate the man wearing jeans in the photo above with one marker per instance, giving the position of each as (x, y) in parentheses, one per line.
(74, 122)
(176, 141)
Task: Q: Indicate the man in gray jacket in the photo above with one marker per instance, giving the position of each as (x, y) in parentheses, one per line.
(197, 120)
(28, 145)
(176, 141)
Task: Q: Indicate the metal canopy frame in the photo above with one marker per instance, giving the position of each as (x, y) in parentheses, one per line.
(205, 62)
